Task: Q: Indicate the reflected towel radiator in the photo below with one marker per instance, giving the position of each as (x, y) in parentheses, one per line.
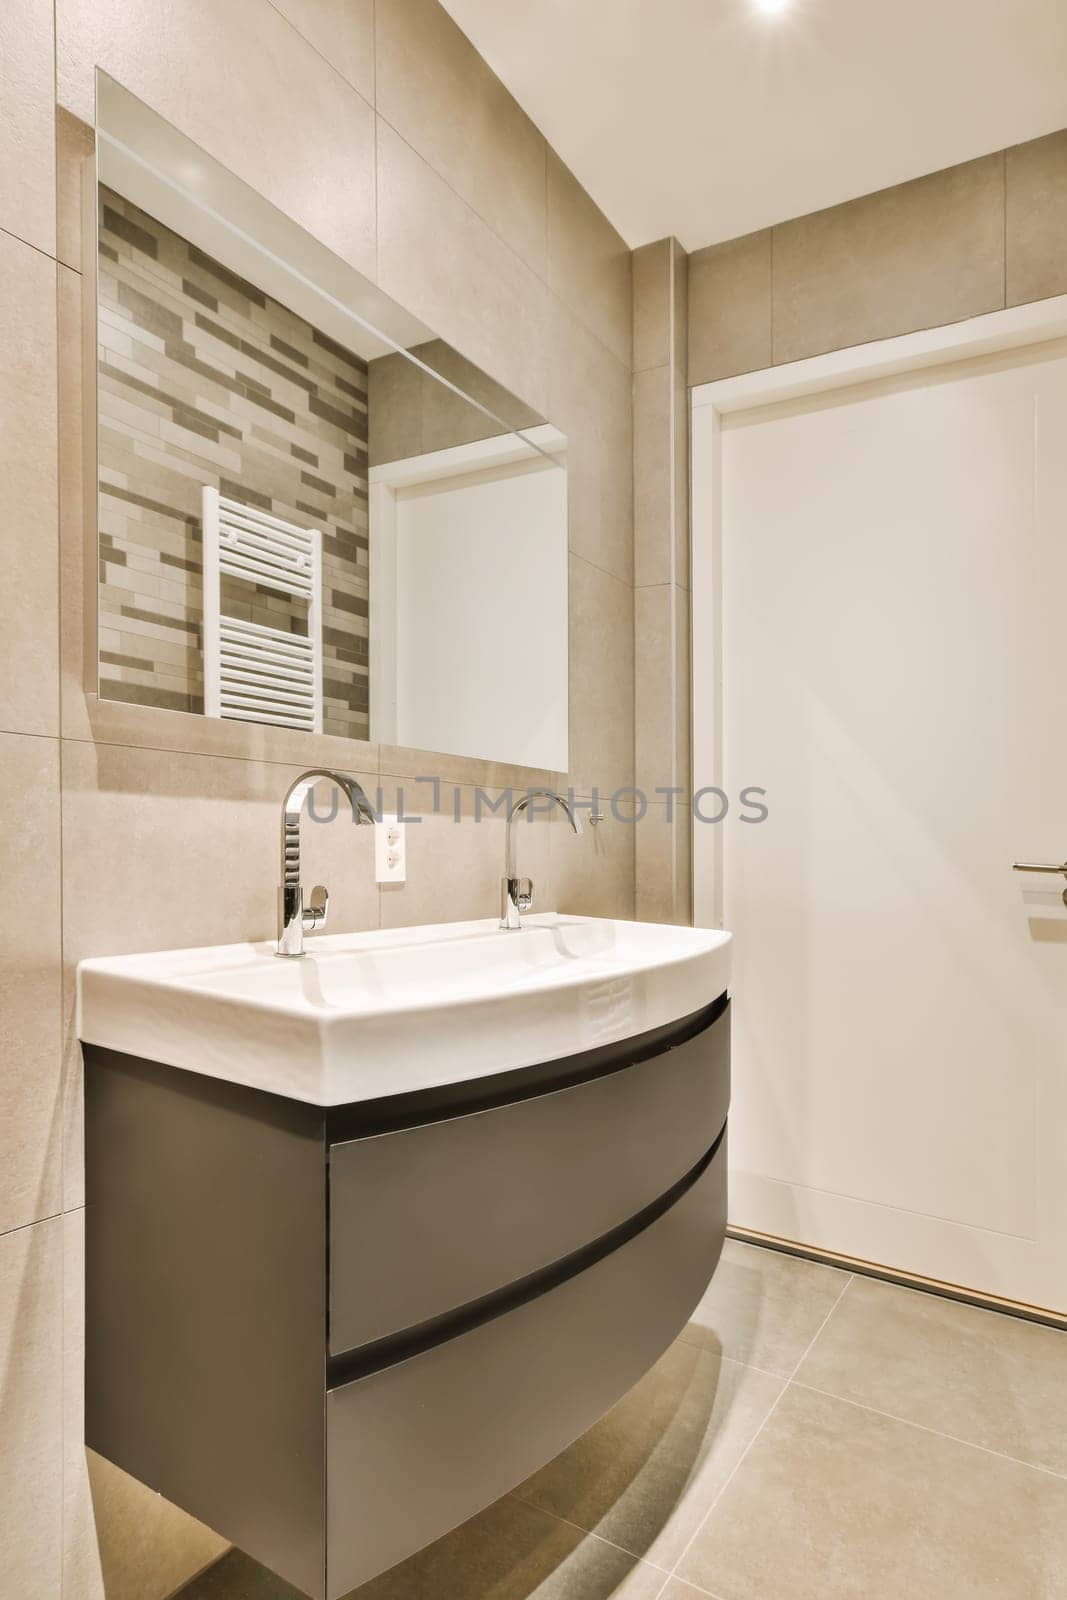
(252, 672)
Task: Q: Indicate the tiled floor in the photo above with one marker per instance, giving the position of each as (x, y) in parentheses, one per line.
(810, 1436)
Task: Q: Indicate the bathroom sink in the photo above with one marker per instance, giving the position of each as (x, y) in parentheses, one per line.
(363, 1015)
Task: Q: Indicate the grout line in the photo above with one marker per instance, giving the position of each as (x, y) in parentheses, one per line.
(589, 1533)
(36, 248)
(312, 46)
(937, 1433)
(819, 1330)
(21, 1227)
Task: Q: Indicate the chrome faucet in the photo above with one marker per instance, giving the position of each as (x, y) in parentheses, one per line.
(294, 918)
(516, 894)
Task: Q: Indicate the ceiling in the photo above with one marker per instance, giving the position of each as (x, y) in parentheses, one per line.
(711, 118)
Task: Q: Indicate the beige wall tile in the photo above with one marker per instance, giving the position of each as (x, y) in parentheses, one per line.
(652, 271)
(31, 1439)
(188, 846)
(602, 679)
(443, 98)
(1036, 213)
(915, 256)
(591, 401)
(653, 530)
(121, 1541)
(30, 991)
(455, 865)
(588, 262)
(439, 259)
(730, 308)
(29, 637)
(662, 863)
(764, 1308)
(296, 131)
(655, 686)
(993, 1380)
(342, 31)
(75, 141)
(27, 148)
(645, 1476)
(593, 873)
(834, 1500)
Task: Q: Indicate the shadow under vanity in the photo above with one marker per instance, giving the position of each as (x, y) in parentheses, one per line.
(335, 1332)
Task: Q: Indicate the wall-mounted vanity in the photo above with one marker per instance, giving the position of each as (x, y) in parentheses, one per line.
(373, 1235)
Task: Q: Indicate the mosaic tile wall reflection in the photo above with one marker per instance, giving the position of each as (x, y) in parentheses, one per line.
(204, 379)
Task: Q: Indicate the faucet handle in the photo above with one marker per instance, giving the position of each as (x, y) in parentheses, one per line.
(317, 909)
(522, 892)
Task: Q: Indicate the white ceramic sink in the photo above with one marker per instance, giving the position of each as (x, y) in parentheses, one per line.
(362, 1015)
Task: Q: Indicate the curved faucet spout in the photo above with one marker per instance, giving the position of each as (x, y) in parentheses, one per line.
(516, 894)
(294, 918)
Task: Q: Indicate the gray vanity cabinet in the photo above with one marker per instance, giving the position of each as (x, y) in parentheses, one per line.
(335, 1333)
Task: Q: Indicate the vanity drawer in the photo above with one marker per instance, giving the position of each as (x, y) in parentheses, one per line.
(415, 1449)
(430, 1218)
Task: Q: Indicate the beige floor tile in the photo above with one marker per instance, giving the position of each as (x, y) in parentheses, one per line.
(835, 1502)
(645, 1475)
(514, 1552)
(31, 1465)
(677, 1590)
(993, 1380)
(30, 990)
(764, 1308)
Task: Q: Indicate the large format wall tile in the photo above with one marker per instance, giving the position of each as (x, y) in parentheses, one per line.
(342, 31)
(29, 637)
(593, 874)
(30, 1042)
(652, 266)
(27, 151)
(293, 127)
(915, 256)
(730, 308)
(446, 265)
(652, 476)
(590, 400)
(588, 262)
(31, 1441)
(601, 679)
(444, 99)
(1036, 226)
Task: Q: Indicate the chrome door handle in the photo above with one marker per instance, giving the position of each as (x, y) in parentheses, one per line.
(1038, 866)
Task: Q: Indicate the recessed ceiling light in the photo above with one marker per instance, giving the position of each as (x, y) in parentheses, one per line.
(772, 7)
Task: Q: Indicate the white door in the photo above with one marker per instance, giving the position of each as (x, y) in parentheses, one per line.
(894, 592)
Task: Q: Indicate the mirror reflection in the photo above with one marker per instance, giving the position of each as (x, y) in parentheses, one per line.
(312, 512)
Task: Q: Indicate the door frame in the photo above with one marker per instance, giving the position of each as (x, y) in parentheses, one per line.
(997, 331)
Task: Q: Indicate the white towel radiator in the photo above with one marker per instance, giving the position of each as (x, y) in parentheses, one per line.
(254, 673)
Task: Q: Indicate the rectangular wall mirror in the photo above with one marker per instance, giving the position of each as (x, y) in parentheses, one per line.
(312, 512)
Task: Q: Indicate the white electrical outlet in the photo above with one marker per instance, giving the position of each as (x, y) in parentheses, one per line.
(390, 850)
